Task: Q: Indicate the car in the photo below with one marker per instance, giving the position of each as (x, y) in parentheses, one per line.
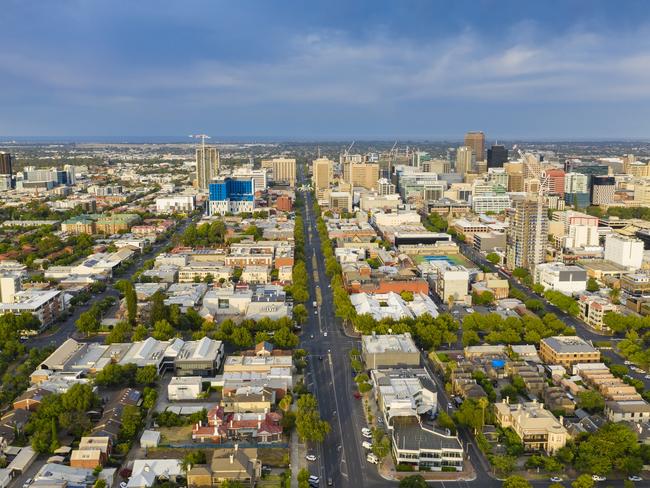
(450, 405)
(470, 310)
(647, 377)
(28, 482)
(365, 431)
(311, 336)
(371, 458)
(330, 482)
(310, 457)
(635, 478)
(367, 435)
(315, 312)
(357, 395)
(320, 358)
(325, 334)
(380, 420)
(366, 445)
(556, 479)
(314, 479)
(123, 484)
(455, 312)
(627, 363)
(596, 477)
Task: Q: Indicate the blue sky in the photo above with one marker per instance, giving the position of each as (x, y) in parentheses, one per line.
(336, 69)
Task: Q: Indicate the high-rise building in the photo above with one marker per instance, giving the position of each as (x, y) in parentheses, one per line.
(476, 140)
(283, 170)
(576, 190)
(525, 247)
(207, 166)
(464, 160)
(364, 175)
(496, 156)
(231, 195)
(6, 166)
(385, 187)
(555, 181)
(602, 190)
(323, 173)
(624, 251)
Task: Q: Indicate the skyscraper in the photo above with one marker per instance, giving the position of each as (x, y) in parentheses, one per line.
(207, 166)
(496, 156)
(283, 170)
(6, 168)
(323, 173)
(524, 246)
(476, 140)
(463, 160)
(231, 195)
(602, 190)
(365, 175)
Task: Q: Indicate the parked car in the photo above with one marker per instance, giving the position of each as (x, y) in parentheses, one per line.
(310, 457)
(371, 458)
(597, 477)
(635, 478)
(366, 445)
(556, 479)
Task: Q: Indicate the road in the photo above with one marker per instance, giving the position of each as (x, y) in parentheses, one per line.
(66, 329)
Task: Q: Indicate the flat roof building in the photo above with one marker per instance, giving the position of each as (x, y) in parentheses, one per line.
(567, 351)
(387, 351)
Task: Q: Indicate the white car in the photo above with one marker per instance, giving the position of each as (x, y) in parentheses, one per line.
(371, 458)
(367, 435)
(627, 363)
(366, 445)
(647, 377)
(123, 484)
(310, 457)
(596, 477)
(635, 478)
(556, 479)
(325, 333)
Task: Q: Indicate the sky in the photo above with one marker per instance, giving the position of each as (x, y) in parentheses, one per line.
(336, 69)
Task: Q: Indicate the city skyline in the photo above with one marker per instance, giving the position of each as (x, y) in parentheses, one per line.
(561, 70)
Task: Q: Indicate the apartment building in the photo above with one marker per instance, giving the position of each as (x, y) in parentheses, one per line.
(283, 170)
(567, 351)
(537, 428)
(593, 309)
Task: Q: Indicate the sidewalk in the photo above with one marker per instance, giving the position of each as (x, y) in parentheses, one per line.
(297, 452)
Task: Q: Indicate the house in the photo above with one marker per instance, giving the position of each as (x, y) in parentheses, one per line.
(86, 458)
(146, 472)
(234, 464)
(249, 427)
(31, 399)
(149, 438)
(537, 428)
(249, 399)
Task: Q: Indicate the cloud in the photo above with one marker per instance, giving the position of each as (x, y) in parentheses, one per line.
(332, 67)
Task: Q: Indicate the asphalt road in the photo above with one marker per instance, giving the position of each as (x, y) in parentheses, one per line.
(67, 328)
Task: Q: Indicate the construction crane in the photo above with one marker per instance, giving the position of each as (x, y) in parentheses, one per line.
(537, 171)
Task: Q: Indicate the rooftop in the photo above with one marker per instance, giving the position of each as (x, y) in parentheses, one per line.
(569, 344)
(378, 344)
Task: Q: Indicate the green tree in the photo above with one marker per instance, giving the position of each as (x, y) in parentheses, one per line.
(158, 309)
(119, 333)
(591, 401)
(163, 330)
(140, 333)
(300, 313)
(147, 375)
(413, 481)
(583, 481)
(493, 258)
(88, 322)
(592, 285)
(503, 464)
(615, 294)
(131, 422)
(309, 425)
(516, 482)
(285, 339)
(131, 302)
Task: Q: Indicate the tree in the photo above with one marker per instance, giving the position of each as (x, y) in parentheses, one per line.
(592, 285)
(192, 458)
(309, 425)
(516, 482)
(300, 313)
(285, 339)
(131, 421)
(446, 422)
(163, 330)
(493, 258)
(407, 296)
(583, 481)
(303, 478)
(614, 447)
(146, 376)
(88, 322)
(158, 309)
(131, 302)
(413, 481)
(591, 401)
(503, 464)
(241, 337)
(119, 333)
(140, 333)
(615, 294)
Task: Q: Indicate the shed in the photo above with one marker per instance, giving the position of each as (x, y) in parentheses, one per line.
(150, 438)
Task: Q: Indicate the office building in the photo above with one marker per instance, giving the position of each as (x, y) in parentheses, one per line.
(476, 141)
(283, 170)
(602, 190)
(567, 351)
(323, 173)
(497, 155)
(576, 190)
(230, 195)
(207, 166)
(364, 175)
(6, 166)
(525, 247)
(464, 160)
(259, 176)
(624, 251)
(389, 351)
(556, 181)
(175, 204)
(560, 277)
(537, 428)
